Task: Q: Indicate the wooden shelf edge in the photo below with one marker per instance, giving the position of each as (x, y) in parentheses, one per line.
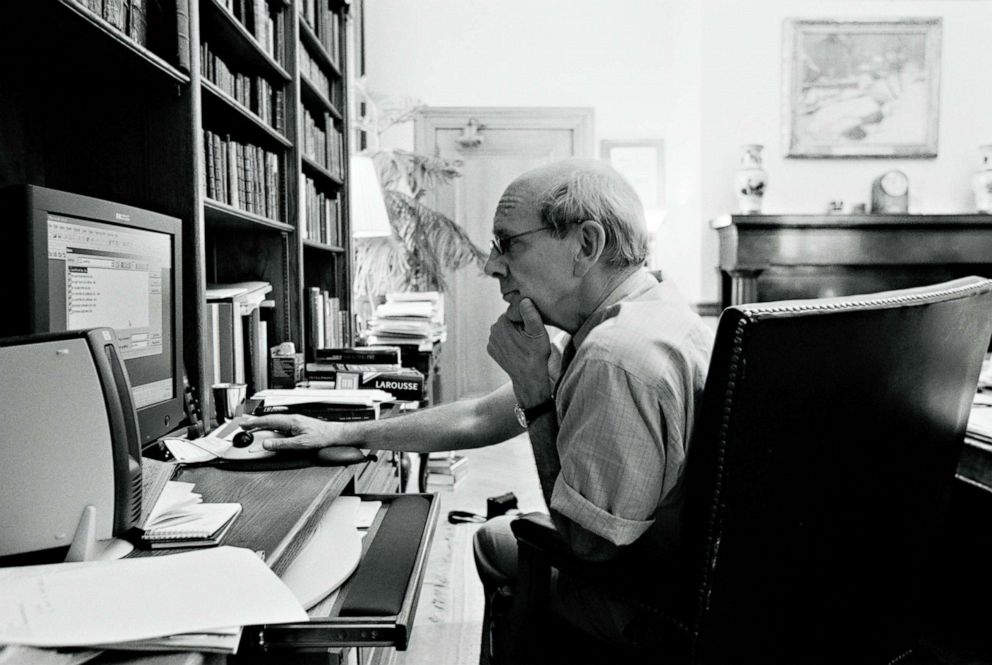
(320, 170)
(249, 39)
(319, 96)
(215, 211)
(236, 106)
(331, 249)
(156, 61)
(314, 46)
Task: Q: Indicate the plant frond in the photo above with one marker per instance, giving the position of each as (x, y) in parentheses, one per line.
(434, 243)
(380, 267)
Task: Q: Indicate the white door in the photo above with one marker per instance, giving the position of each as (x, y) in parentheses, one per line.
(495, 145)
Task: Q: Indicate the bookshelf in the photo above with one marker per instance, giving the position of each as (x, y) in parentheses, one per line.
(228, 114)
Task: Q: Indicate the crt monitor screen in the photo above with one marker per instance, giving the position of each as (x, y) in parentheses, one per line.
(88, 263)
(119, 277)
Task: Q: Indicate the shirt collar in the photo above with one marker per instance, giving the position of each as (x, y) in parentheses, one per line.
(639, 282)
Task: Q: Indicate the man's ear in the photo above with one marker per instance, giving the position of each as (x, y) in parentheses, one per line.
(592, 242)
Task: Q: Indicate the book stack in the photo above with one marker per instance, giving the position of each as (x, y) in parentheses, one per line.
(445, 471)
(408, 318)
(357, 368)
(239, 340)
(322, 403)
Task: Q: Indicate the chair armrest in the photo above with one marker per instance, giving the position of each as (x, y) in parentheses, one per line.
(536, 532)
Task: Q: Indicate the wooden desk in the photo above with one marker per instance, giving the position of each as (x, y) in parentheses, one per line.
(281, 510)
(782, 257)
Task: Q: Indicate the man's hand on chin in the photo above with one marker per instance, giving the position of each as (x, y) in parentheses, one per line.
(522, 349)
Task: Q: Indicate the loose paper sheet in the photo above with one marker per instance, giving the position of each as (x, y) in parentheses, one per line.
(82, 604)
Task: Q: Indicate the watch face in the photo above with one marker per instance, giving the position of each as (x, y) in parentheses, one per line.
(894, 183)
(521, 417)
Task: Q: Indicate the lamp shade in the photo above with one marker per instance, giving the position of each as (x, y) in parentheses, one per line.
(369, 218)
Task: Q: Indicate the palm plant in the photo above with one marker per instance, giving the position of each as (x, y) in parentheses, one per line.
(426, 245)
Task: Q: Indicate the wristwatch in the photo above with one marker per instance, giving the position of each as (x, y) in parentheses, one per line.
(527, 416)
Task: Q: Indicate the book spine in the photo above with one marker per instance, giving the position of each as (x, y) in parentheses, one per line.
(182, 35)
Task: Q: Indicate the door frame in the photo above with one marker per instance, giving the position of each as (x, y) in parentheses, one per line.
(579, 119)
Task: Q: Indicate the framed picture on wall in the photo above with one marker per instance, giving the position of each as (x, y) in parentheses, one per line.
(861, 88)
(642, 162)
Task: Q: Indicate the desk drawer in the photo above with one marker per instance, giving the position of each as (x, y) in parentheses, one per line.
(401, 532)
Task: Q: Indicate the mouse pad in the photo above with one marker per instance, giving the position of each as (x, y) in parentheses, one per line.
(333, 456)
(281, 462)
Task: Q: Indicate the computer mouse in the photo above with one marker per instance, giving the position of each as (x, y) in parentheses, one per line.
(338, 456)
(242, 439)
(248, 445)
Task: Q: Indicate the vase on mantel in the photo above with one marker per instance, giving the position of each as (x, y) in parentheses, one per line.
(750, 180)
(981, 182)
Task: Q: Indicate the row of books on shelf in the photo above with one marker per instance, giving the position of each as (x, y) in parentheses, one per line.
(237, 327)
(318, 15)
(254, 93)
(323, 143)
(130, 17)
(311, 70)
(320, 215)
(242, 175)
(327, 322)
(264, 24)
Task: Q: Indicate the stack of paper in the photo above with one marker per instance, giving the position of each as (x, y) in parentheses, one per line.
(980, 422)
(408, 318)
(179, 600)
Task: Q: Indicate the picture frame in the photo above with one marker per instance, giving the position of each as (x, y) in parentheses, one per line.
(642, 162)
(861, 88)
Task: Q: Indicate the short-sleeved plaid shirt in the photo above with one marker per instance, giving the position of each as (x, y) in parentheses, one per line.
(626, 407)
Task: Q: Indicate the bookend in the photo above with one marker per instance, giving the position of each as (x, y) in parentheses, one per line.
(85, 546)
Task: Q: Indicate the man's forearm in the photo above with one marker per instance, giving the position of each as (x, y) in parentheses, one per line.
(455, 426)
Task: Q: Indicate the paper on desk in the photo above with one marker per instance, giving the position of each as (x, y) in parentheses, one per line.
(18, 655)
(980, 422)
(361, 397)
(83, 604)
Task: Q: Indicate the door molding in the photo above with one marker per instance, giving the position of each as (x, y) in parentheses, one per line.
(577, 118)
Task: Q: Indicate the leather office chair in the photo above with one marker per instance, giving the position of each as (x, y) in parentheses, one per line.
(815, 486)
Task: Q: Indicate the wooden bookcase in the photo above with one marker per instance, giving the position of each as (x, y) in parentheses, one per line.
(141, 119)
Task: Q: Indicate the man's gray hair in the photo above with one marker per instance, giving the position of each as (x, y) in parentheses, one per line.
(596, 191)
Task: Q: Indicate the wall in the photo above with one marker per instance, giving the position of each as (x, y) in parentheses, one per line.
(704, 75)
(741, 103)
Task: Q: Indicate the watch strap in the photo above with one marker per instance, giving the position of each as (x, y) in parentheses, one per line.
(535, 412)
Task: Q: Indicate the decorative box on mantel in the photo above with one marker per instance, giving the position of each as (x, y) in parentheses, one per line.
(784, 257)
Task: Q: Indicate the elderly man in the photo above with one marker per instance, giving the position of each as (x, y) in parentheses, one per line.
(609, 405)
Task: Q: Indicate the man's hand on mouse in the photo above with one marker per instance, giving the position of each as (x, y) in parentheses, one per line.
(301, 432)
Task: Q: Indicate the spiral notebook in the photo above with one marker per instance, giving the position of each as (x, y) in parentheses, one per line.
(180, 519)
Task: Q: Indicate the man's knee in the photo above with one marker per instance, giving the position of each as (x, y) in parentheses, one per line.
(495, 551)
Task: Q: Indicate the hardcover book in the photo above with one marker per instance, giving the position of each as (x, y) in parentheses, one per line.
(404, 383)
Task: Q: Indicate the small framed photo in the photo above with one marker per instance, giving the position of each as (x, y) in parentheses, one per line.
(642, 162)
(861, 88)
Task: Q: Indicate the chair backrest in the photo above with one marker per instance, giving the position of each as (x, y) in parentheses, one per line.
(821, 469)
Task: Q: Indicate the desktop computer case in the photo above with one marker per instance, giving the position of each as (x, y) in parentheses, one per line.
(68, 439)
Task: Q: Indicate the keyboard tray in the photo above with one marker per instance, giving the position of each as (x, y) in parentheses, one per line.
(354, 617)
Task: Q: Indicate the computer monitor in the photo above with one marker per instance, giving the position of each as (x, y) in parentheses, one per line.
(75, 262)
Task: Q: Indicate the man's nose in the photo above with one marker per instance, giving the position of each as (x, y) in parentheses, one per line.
(495, 266)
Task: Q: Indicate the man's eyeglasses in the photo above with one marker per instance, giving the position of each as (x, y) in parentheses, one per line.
(502, 244)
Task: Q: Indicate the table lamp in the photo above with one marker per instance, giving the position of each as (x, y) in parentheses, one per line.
(369, 218)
